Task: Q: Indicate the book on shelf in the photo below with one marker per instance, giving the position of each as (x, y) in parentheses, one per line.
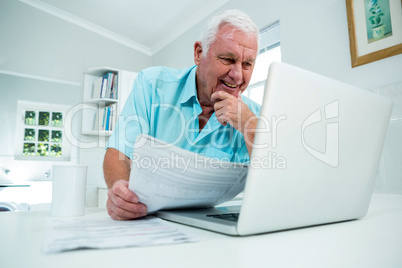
(105, 118)
(109, 80)
(114, 90)
(105, 86)
(97, 88)
(112, 117)
(98, 115)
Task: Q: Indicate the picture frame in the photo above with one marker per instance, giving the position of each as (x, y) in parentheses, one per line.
(375, 29)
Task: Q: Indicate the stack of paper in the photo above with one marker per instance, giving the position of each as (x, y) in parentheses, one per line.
(167, 177)
(100, 233)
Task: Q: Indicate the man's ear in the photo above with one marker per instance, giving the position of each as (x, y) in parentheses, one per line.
(197, 52)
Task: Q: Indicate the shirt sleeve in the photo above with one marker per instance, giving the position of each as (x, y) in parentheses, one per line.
(134, 117)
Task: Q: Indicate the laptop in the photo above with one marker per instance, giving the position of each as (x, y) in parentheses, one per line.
(314, 161)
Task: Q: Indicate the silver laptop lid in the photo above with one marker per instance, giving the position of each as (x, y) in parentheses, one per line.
(316, 152)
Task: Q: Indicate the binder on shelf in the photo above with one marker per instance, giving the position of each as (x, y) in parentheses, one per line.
(100, 119)
(105, 118)
(113, 116)
(115, 87)
(98, 115)
(108, 82)
(97, 88)
(105, 86)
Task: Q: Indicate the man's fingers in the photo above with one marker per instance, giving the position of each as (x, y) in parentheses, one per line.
(123, 204)
(224, 120)
(118, 213)
(220, 96)
(121, 189)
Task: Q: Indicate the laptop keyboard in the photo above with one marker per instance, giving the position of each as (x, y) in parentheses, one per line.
(226, 216)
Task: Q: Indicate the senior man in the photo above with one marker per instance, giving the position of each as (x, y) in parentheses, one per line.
(198, 108)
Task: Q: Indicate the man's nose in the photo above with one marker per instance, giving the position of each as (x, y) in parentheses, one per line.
(236, 73)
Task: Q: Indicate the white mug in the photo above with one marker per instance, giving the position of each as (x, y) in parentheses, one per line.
(68, 190)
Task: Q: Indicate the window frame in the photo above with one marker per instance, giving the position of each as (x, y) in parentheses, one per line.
(269, 39)
(23, 106)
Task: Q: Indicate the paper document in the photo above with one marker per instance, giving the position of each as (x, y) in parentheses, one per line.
(99, 233)
(167, 177)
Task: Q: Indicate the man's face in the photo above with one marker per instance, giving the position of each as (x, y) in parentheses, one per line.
(228, 64)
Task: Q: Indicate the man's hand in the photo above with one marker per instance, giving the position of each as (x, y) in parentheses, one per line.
(123, 204)
(232, 110)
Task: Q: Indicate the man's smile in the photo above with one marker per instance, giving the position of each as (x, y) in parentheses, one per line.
(229, 85)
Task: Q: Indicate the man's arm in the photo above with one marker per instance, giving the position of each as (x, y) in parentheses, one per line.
(122, 203)
(116, 166)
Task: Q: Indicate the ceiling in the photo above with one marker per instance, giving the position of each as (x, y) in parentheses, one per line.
(144, 25)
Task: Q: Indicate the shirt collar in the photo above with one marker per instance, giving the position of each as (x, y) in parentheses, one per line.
(190, 87)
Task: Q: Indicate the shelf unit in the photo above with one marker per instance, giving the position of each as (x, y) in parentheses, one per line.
(91, 105)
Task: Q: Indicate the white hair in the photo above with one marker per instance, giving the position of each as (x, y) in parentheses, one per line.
(236, 18)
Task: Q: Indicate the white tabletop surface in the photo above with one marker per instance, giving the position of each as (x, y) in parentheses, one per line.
(374, 241)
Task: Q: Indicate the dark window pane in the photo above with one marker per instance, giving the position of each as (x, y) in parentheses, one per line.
(56, 136)
(43, 149)
(55, 150)
(29, 134)
(44, 118)
(43, 135)
(29, 149)
(57, 119)
(30, 118)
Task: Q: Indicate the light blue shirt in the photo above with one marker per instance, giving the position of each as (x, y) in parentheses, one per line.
(163, 103)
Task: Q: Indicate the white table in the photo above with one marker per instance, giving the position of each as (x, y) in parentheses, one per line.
(374, 241)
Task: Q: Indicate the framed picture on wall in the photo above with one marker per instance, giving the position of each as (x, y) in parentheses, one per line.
(375, 29)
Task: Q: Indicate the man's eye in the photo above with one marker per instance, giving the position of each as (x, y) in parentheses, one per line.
(247, 65)
(227, 60)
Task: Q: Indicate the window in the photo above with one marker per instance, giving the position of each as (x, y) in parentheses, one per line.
(40, 132)
(270, 51)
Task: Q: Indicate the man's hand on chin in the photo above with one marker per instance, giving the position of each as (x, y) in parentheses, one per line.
(232, 110)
